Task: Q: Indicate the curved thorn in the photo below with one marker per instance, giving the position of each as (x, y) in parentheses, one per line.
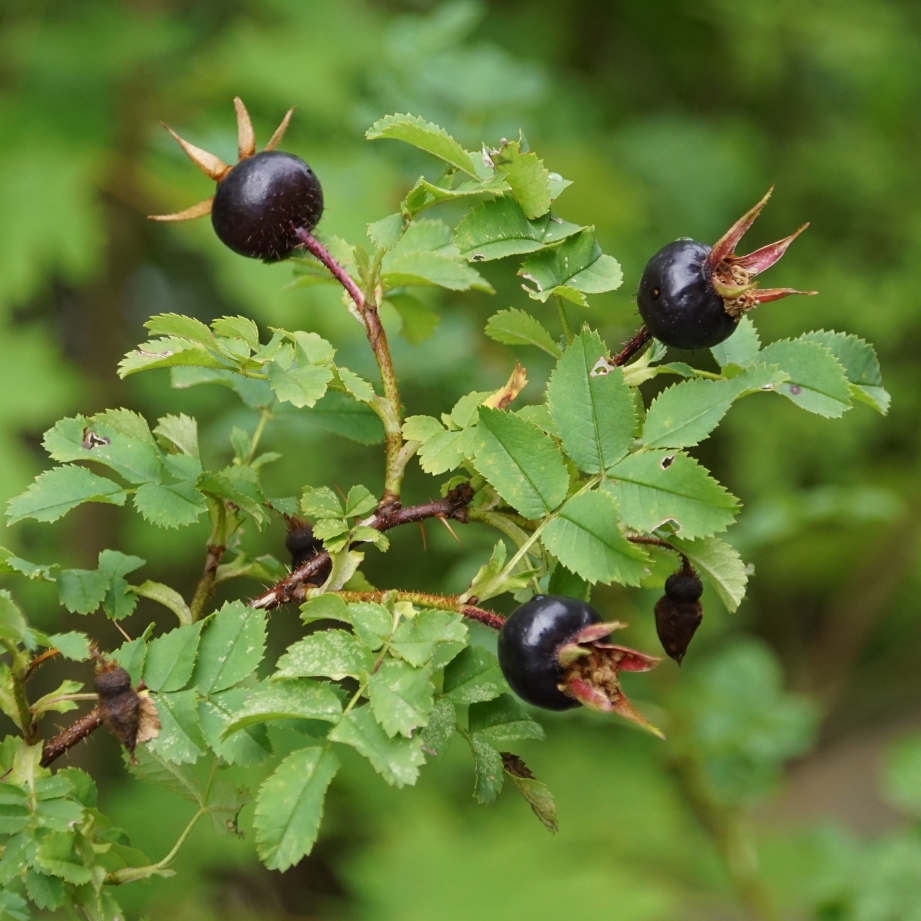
(199, 210)
(275, 139)
(729, 240)
(209, 164)
(246, 137)
(763, 258)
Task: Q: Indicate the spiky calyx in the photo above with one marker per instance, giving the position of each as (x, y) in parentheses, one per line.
(691, 296)
(551, 654)
(262, 201)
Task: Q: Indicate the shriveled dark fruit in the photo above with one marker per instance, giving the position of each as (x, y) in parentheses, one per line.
(679, 612)
(691, 296)
(129, 715)
(530, 642)
(262, 201)
(301, 543)
(678, 303)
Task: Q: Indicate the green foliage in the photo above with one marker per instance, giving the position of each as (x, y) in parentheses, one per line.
(576, 483)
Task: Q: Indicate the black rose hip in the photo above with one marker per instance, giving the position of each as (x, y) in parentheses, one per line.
(263, 201)
(551, 654)
(691, 296)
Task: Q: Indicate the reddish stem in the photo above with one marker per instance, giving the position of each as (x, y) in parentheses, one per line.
(631, 348)
(454, 505)
(316, 248)
(70, 736)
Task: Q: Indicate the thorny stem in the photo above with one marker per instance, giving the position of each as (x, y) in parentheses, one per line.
(426, 600)
(215, 553)
(69, 737)
(40, 660)
(454, 505)
(367, 310)
(733, 838)
(651, 541)
(631, 348)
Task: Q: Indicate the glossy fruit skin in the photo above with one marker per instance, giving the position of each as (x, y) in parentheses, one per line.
(677, 301)
(529, 642)
(262, 201)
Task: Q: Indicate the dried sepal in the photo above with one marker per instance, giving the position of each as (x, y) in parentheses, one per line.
(246, 137)
(731, 276)
(212, 166)
(275, 139)
(202, 209)
(128, 712)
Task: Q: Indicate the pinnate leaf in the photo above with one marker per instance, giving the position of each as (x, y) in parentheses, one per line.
(527, 176)
(180, 739)
(741, 348)
(401, 697)
(280, 700)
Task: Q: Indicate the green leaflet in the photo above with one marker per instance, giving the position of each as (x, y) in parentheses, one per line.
(571, 270)
(817, 381)
(593, 413)
(655, 488)
(397, 759)
(473, 676)
(332, 654)
(516, 327)
(741, 348)
(280, 700)
(231, 647)
(527, 176)
(861, 366)
(499, 228)
(686, 413)
(171, 658)
(585, 538)
(55, 492)
(426, 136)
(401, 697)
(522, 463)
(289, 806)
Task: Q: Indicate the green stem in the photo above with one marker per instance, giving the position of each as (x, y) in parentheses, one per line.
(502, 523)
(564, 319)
(217, 544)
(133, 874)
(257, 435)
(18, 673)
(526, 546)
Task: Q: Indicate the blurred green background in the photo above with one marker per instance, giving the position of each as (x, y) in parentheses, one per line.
(792, 777)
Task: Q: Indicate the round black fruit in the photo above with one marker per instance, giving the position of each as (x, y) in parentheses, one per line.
(530, 641)
(262, 201)
(677, 300)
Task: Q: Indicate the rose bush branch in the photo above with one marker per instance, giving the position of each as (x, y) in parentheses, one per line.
(390, 414)
(454, 505)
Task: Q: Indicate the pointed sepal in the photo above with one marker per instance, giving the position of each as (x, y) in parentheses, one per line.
(727, 243)
(275, 139)
(246, 137)
(199, 210)
(208, 163)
